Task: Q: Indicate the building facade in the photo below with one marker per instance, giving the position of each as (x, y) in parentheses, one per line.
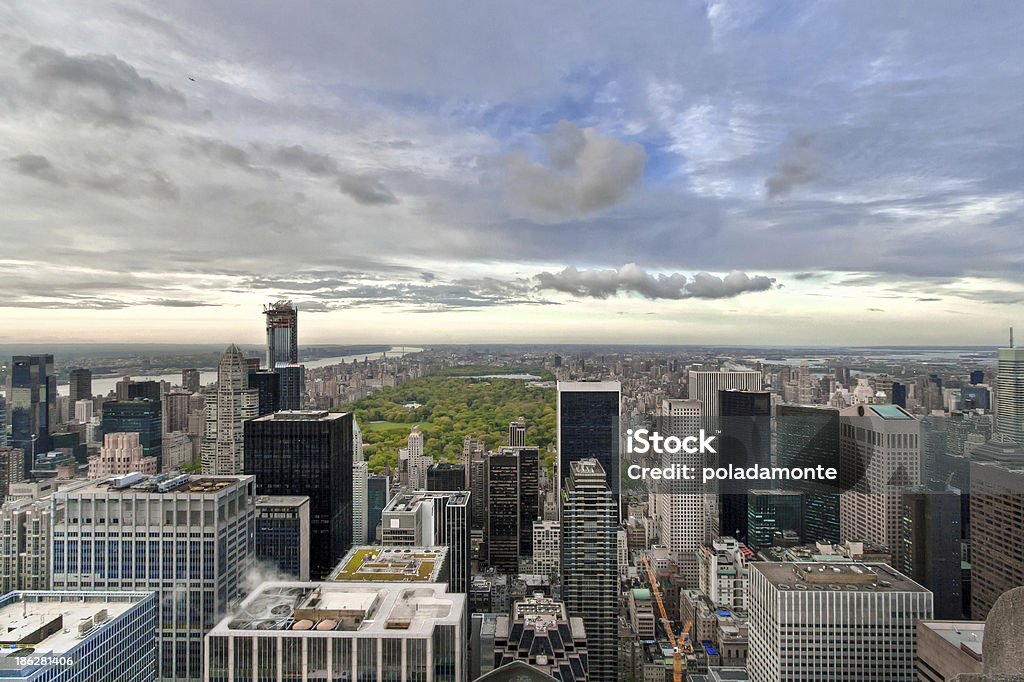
(223, 449)
(282, 534)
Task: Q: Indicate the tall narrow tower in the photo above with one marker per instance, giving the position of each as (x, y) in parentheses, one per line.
(282, 333)
(226, 412)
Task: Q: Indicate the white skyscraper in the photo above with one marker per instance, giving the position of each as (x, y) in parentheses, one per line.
(418, 461)
(704, 387)
(1010, 395)
(681, 504)
(226, 411)
(360, 472)
(83, 410)
(879, 456)
(842, 622)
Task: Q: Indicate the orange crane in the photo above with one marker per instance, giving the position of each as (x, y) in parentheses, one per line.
(678, 645)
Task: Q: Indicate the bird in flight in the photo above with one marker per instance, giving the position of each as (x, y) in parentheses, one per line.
(192, 79)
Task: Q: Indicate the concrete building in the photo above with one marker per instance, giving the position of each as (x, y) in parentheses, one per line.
(1010, 395)
(91, 636)
(997, 528)
(427, 518)
(947, 648)
(374, 564)
(283, 533)
(547, 547)
(517, 433)
(187, 538)
(681, 505)
(341, 631)
(121, 454)
(641, 613)
(540, 633)
(821, 622)
(417, 460)
(880, 456)
(724, 572)
(223, 450)
(590, 575)
(704, 386)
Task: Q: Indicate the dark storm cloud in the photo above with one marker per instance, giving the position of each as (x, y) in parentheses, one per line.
(633, 279)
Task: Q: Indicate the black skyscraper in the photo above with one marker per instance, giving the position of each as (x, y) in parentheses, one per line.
(308, 453)
(808, 436)
(32, 400)
(79, 385)
(446, 476)
(929, 550)
(268, 384)
(588, 427)
(745, 441)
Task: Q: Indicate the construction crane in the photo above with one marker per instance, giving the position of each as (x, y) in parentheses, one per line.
(678, 645)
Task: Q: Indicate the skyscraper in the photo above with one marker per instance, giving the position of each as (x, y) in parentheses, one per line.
(418, 461)
(475, 457)
(360, 475)
(446, 476)
(517, 432)
(1010, 395)
(773, 511)
(32, 398)
(588, 427)
(808, 436)
(745, 440)
(879, 457)
(378, 493)
(929, 548)
(187, 538)
(590, 519)
(141, 416)
(503, 512)
(226, 412)
(308, 453)
(282, 333)
(121, 454)
(681, 504)
(80, 385)
(705, 385)
(190, 380)
(841, 622)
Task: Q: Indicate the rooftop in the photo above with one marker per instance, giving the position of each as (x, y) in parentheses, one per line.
(300, 415)
(281, 500)
(408, 501)
(962, 634)
(844, 577)
(54, 623)
(358, 608)
(173, 482)
(399, 564)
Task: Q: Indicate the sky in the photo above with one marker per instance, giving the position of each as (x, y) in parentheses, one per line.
(743, 172)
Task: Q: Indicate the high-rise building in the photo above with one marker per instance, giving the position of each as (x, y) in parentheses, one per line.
(833, 622)
(590, 519)
(378, 494)
(292, 386)
(267, 384)
(771, 512)
(308, 453)
(422, 518)
(547, 547)
(418, 460)
(121, 454)
(879, 457)
(997, 525)
(541, 634)
(681, 504)
(191, 380)
(1010, 395)
(32, 401)
(282, 333)
(141, 416)
(26, 535)
(114, 636)
(517, 432)
(341, 631)
(475, 457)
(446, 476)
(187, 538)
(705, 385)
(360, 476)
(80, 385)
(724, 573)
(588, 428)
(282, 534)
(808, 436)
(929, 547)
(3, 421)
(227, 410)
(12, 463)
(745, 440)
(84, 411)
(513, 504)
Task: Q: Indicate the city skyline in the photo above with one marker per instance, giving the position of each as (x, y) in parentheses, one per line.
(587, 173)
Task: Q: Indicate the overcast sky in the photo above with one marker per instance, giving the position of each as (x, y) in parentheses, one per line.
(719, 172)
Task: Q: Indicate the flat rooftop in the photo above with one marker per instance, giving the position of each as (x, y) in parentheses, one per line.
(281, 500)
(357, 609)
(55, 623)
(169, 483)
(841, 576)
(408, 501)
(392, 564)
(961, 634)
(300, 415)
